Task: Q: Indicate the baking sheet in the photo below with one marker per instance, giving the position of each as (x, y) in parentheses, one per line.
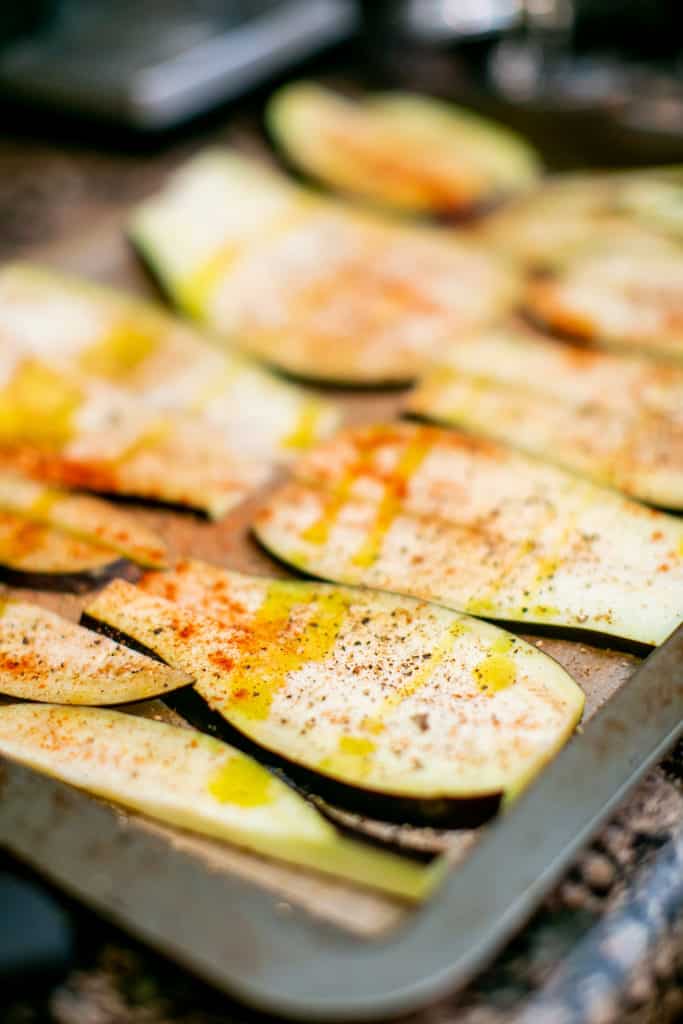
(104, 254)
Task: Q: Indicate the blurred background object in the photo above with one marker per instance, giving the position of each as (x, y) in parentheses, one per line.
(443, 21)
(36, 936)
(155, 64)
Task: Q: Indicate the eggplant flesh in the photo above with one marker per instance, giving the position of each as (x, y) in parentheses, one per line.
(100, 333)
(480, 527)
(611, 419)
(404, 151)
(351, 299)
(547, 226)
(656, 199)
(627, 296)
(86, 434)
(44, 558)
(44, 657)
(186, 779)
(84, 518)
(358, 694)
(462, 813)
(435, 812)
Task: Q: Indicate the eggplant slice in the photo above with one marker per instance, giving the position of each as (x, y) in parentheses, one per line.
(184, 778)
(567, 212)
(78, 432)
(613, 419)
(416, 707)
(87, 519)
(44, 657)
(408, 152)
(103, 333)
(477, 526)
(44, 558)
(616, 293)
(308, 285)
(655, 198)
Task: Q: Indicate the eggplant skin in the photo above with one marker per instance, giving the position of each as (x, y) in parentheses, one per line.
(353, 146)
(97, 626)
(70, 582)
(437, 812)
(605, 641)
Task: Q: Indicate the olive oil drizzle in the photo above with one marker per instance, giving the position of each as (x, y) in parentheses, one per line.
(275, 648)
(39, 405)
(305, 429)
(196, 290)
(124, 347)
(439, 653)
(390, 504)
(241, 782)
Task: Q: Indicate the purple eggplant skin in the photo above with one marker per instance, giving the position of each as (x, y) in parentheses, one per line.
(467, 216)
(437, 812)
(70, 582)
(138, 501)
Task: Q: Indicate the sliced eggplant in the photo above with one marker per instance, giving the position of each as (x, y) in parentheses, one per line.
(479, 527)
(44, 657)
(655, 198)
(613, 419)
(408, 152)
(350, 298)
(184, 778)
(88, 519)
(422, 710)
(565, 212)
(621, 294)
(86, 434)
(99, 332)
(38, 556)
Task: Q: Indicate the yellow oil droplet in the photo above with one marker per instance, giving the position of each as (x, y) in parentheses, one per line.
(373, 725)
(242, 782)
(503, 644)
(124, 347)
(194, 292)
(390, 505)
(306, 427)
(275, 647)
(480, 606)
(439, 377)
(680, 547)
(357, 746)
(495, 672)
(352, 760)
(546, 611)
(38, 406)
(319, 531)
(547, 567)
(153, 435)
(43, 505)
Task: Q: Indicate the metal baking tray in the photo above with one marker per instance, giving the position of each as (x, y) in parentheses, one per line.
(298, 944)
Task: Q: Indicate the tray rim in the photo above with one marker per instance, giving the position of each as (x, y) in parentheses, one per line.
(236, 934)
